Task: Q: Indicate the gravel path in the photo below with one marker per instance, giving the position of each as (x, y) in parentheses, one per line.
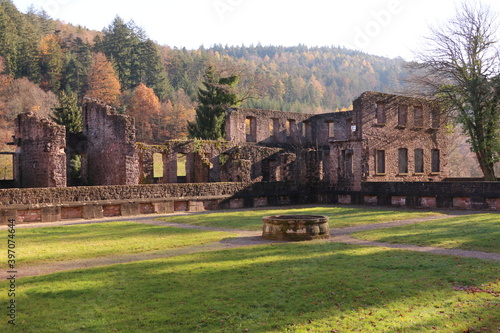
(242, 238)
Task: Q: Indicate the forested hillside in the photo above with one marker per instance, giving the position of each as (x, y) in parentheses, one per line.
(46, 64)
(46, 57)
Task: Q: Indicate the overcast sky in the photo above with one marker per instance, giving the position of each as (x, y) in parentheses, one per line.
(392, 28)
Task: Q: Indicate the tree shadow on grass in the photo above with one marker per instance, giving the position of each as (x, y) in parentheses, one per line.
(280, 287)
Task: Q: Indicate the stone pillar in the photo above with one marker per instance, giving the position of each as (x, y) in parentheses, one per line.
(40, 157)
(111, 157)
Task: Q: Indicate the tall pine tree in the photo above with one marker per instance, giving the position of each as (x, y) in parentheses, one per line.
(216, 96)
(68, 113)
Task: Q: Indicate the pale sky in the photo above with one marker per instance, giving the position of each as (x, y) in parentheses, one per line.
(382, 27)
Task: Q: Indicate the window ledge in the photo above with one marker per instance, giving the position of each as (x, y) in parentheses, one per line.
(403, 174)
(419, 174)
(379, 125)
(435, 173)
(380, 174)
(401, 126)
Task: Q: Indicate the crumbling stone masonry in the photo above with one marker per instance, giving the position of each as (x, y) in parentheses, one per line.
(384, 138)
(389, 150)
(40, 160)
(405, 138)
(111, 154)
(214, 161)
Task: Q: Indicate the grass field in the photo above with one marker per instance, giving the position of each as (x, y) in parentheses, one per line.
(286, 287)
(40, 245)
(298, 287)
(479, 232)
(339, 216)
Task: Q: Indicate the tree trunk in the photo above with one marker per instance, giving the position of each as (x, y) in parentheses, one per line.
(487, 167)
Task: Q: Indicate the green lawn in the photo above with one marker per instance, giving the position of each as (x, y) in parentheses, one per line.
(40, 245)
(479, 232)
(339, 216)
(290, 287)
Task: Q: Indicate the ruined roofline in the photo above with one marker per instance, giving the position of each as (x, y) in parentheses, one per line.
(44, 122)
(386, 95)
(368, 93)
(278, 112)
(88, 101)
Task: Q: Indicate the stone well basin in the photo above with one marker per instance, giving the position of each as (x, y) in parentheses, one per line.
(295, 227)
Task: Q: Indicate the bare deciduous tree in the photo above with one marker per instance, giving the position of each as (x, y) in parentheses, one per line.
(461, 67)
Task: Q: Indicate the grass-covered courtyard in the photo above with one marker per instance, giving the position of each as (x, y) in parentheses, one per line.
(314, 286)
(340, 217)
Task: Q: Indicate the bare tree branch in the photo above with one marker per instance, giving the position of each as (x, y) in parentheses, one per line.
(461, 67)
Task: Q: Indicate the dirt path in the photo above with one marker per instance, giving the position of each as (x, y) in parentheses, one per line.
(242, 238)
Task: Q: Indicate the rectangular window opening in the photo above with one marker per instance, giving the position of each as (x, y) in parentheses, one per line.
(403, 161)
(435, 161)
(380, 162)
(347, 162)
(418, 117)
(402, 115)
(276, 127)
(7, 166)
(157, 165)
(380, 113)
(181, 165)
(419, 161)
(250, 129)
(331, 129)
(290, 127)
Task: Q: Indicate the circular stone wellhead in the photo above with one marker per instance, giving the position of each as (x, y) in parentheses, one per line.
(295, 227)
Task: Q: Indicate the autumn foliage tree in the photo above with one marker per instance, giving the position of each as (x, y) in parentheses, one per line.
(145, 108)
(176, 114)
(51, 62)
(103, 82)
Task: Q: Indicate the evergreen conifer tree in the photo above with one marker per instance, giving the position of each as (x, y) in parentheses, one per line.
(216, 96)
(68, 113)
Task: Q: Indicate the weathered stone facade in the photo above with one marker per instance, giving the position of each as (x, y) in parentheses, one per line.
(384, 138)
(111, 156)
(389, 150)
(405, 138)
(214, 161)
(40, 158)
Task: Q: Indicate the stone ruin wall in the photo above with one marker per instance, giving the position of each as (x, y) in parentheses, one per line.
(378, 117)
(306, 137)
(338, 148)
(270, 158)
(40, 160)
(280, 128)
(111, 154)
(216, 161)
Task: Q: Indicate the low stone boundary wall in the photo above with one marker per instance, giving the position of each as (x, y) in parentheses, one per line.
(55, 204)
(454, 195)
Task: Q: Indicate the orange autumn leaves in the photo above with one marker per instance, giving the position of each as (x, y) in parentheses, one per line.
(103, 82)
